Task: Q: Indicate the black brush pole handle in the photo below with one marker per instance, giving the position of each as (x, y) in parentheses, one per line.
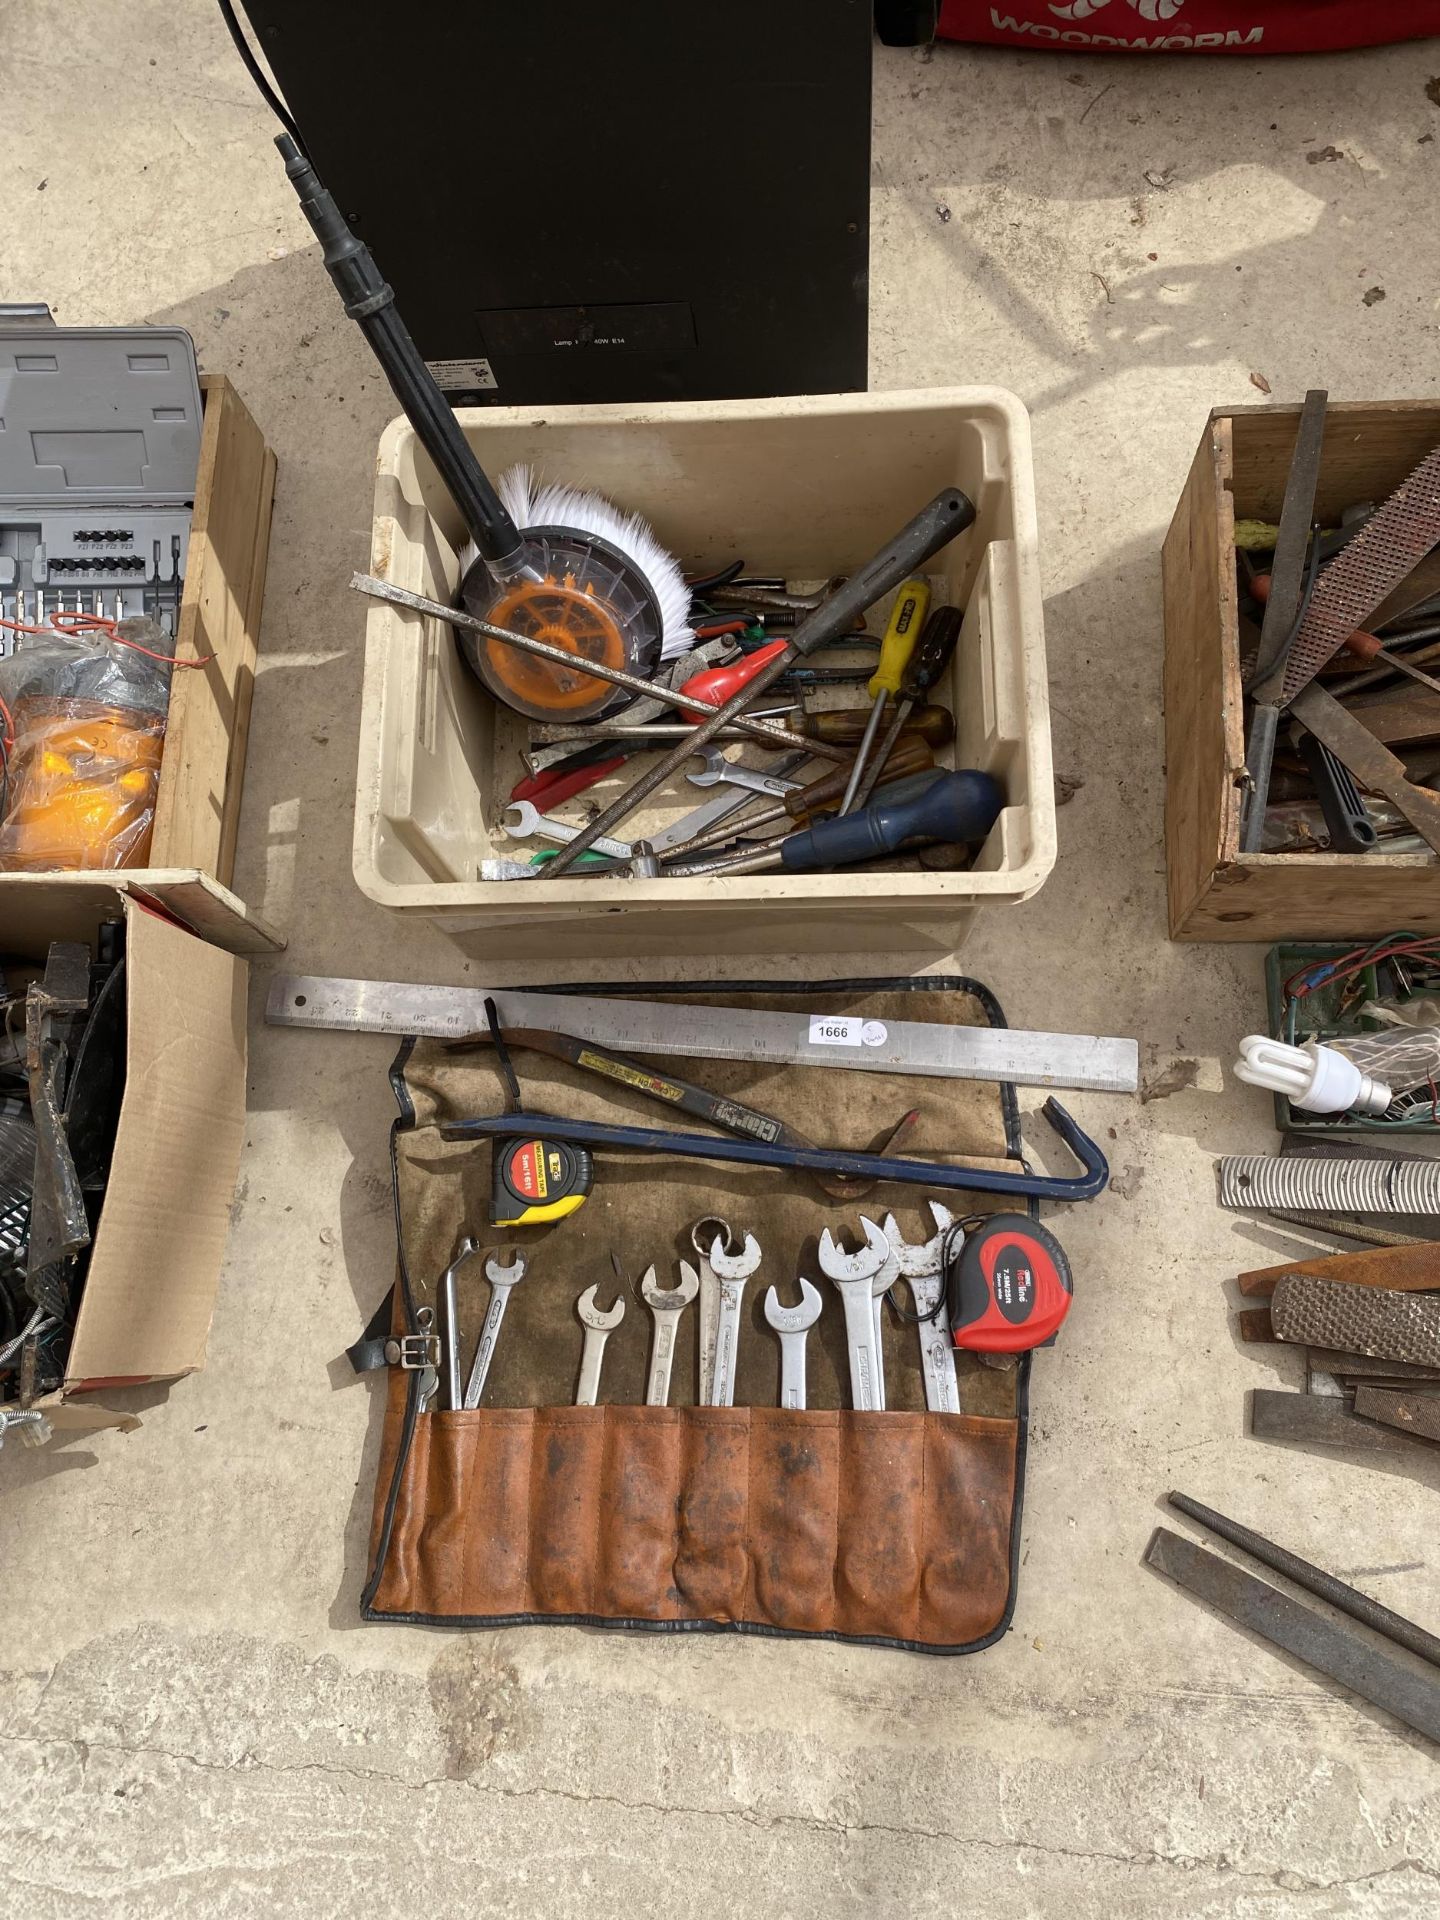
(1351, 828)
(370, 302)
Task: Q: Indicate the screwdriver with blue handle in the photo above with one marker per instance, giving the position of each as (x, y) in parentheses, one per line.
(932, 655)
(902, 630)
(917, 811)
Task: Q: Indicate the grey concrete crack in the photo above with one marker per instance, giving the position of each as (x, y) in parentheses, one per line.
(1285, 1877)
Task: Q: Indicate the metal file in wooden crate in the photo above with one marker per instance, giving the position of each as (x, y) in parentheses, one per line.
(1215, 891)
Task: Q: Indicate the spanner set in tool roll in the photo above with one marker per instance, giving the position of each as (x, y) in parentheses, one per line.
(683, 1403)
(1005, 1289)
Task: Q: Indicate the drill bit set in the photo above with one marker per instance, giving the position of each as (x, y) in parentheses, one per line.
(98, 465)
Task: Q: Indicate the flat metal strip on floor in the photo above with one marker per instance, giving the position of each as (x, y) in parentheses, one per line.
(1328, 1643)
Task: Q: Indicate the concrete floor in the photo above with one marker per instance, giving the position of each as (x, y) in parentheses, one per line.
(194, 1721)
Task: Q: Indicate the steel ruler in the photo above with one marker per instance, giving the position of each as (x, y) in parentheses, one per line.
(925, 1048)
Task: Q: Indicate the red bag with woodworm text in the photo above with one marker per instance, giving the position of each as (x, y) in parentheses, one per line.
(1188, 26)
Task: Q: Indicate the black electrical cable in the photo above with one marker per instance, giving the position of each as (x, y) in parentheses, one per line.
(705, 582)
(257, 72)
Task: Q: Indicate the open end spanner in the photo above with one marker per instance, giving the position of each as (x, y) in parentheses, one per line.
(732, 1270)
(428, 1384)
(501, 1279)
(719, 807)
(922, 1269)
(879, 1287)
(718, 771)
(598, 1328)
(792, 1324)
(450, 1320)
(855, 1274)
(524, 820)
(666, 1305)
(701, 1236)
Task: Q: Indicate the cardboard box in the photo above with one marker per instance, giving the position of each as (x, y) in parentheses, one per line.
(155, 1264)
(202, 776)
(1217, 892)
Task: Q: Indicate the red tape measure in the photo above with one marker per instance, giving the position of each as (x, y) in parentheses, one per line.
(1009, 1287)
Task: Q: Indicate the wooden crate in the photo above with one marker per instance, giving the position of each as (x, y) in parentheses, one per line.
(1215, 891)
(202, 775)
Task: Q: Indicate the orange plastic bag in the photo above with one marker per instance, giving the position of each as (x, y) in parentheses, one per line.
(82, 782)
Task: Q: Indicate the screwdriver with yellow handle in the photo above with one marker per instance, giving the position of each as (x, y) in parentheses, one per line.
(907, 617)
(932, 655)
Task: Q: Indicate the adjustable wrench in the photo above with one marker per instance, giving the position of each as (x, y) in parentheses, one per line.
(732, 1270)
(501, 1279)
(921, 1268)
(701, 1235)
(855, 1274)
(450, 1321)
(528, 820)
(598, 1328)
(718, 771)
(792, 1324)
(666, 1305)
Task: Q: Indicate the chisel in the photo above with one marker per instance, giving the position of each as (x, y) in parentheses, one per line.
(732, 1116)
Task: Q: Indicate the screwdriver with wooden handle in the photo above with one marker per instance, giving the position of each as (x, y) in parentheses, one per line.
(911, 755)
(834, 728)
(839, 726)
(932, 655)
(902, 630)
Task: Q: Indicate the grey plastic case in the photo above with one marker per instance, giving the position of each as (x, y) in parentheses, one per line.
(99, 450)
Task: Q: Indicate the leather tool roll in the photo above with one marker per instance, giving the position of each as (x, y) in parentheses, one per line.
(897, 1528)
